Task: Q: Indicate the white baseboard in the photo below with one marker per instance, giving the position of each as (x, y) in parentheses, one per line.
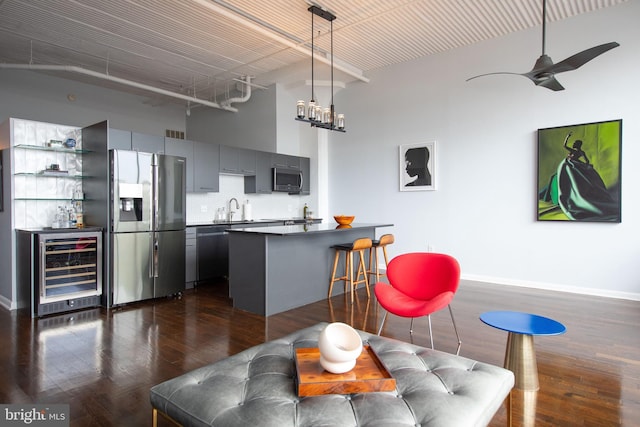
(7, 303)
(553, 287)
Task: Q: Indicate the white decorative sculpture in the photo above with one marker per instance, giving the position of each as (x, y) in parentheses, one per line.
(339, 345)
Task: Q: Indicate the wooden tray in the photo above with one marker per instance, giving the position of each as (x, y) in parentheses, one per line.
(369, 375)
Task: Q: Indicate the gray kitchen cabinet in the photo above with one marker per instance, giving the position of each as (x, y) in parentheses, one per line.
(119, 139)
(261, 182)
(247, 161)
(229, 159)
(235, 160)
(285, 161)
(147, 143)
(305, 167)
(127, 140)
(183, 148)
(206, 166)
(191, 264)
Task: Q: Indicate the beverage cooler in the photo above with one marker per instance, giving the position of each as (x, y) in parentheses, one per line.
(60, 271)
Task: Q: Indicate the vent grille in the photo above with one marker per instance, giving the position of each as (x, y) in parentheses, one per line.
(176, 134)
(68, 305)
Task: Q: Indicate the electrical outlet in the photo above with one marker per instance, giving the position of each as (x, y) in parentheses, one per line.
(204, 208)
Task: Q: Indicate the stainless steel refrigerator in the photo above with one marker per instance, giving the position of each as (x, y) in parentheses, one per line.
(148, 220)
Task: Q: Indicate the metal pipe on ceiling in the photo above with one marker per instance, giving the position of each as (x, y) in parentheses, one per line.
(80, 70)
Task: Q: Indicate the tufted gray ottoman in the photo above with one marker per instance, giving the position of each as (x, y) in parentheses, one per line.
(257, 388)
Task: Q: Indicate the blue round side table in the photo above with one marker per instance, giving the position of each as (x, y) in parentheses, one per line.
(520, 356)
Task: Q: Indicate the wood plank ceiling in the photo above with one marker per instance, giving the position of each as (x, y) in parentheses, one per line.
(197, 47)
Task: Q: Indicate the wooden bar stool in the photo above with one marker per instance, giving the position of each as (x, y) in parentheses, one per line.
(382, 242)
(359, 245)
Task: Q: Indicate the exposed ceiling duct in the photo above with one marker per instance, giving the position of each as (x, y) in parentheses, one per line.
(247, 95)
(74, 69)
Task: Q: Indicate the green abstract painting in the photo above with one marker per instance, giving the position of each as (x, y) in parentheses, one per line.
(579, 172)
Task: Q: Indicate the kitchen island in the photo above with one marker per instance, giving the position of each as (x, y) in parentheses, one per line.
(273, 269)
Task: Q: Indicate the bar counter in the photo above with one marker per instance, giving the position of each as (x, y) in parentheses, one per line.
(274, 269)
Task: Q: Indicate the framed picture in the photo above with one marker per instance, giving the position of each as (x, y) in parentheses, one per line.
(417, 167)
(579, 176)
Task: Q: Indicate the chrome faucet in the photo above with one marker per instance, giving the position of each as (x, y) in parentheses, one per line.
(230, 212)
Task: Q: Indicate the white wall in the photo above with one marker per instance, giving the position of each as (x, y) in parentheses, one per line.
(484, 210)
(253, 126)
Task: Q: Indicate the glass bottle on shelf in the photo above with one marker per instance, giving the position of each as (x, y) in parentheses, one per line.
(72, 217)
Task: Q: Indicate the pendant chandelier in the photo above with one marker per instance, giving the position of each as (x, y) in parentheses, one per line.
(325, 118)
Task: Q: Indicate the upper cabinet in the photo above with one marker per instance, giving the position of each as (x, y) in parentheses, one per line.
(285, 161)
(147, 143)
(126, 140)
(206, 164)
(262, 181)
(203, 162)
(240, 161)
(247, 161)
(182, 148)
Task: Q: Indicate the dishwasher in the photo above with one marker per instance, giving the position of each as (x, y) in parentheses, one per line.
(212, 252)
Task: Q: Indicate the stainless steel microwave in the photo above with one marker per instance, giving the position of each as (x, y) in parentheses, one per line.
(287, 180)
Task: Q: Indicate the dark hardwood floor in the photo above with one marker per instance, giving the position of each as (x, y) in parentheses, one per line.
(102, 363)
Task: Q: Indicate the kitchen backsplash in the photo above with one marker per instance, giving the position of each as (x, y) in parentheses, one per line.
(202, 207)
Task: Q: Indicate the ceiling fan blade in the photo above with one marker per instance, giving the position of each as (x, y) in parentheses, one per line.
(544, 69)
(579, 59)
(491, 74)
(549, 83)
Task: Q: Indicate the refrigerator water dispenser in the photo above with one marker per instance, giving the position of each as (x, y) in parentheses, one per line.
(131, 202)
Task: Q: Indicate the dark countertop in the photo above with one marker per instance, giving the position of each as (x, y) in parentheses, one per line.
(58, 230)
(302, 229)
(254, 221)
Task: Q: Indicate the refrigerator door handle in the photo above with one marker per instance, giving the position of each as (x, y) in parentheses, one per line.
(154, 262)
(156, 203)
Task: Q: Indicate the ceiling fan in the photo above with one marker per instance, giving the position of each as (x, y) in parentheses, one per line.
(544, 70)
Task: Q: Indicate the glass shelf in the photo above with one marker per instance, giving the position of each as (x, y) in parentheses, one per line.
(46, 175)
(53, 149)
(48, 199)
(320, 125)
